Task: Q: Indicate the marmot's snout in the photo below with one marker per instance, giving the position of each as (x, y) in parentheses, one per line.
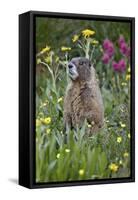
(72, 70)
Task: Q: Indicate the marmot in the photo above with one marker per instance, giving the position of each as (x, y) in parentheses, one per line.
(83, 100)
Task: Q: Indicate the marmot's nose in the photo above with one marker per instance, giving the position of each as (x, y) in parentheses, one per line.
(70, 65)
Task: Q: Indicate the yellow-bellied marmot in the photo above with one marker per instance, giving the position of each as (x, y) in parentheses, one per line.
(83, 97)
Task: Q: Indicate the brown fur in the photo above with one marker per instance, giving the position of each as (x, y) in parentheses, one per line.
(83, 99)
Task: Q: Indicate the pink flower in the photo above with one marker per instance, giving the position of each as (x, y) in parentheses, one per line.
(121, 40)
(115, 66)
(106, 44)
(110, 50)
(123, 48)
(128, 52)
(120, 66)
(105, 58)
(108, 47)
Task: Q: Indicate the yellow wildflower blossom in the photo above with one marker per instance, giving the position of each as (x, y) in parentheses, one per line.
(89, 125)
(48, 131)
(58, 156)
(126, 155)
(119, 139)
(47, 120)
(120, 162)
(113, 167)
(46, 49)
(128, 77)
(75, 38)
(87, 33)
(38, 122)
(129, 135)
(123, 84)
(38, 61)
(81, 172)
(60, 99)
(94, 42)
(122, 125)
(129, 69)
(67, 150)
(48, 59)
(65, 48)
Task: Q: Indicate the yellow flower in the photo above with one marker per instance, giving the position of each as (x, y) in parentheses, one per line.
(122, 125)
(89, 125)
(65, 48)
(60, 99)
(48, 131)
(119, 139)
(128, 77)
(120, 162)
(46, 49)
(81, 172)
(113, 167)
(75, 38)
(48, 59)
(38, 122)
(123, 84)
(44, 104)
(129, 136)
(87, 33)
(47, 120)
(95, 42)
(58, 156)
(38, 61)
(129, 69)
(126, 155)
(67, 150)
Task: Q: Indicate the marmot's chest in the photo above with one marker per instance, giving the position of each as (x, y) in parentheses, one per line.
(77, 103)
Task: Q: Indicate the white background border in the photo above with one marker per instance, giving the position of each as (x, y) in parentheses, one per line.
(9, 11)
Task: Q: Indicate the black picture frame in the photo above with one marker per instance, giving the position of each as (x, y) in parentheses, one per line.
(27, 98)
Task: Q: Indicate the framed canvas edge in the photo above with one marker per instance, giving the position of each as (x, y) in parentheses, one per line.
(32, 183)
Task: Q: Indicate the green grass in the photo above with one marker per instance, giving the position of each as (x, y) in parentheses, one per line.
(92, 155)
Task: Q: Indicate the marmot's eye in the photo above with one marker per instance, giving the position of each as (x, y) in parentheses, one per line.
(81, 63)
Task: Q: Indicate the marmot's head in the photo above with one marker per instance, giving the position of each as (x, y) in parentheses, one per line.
(79, 69)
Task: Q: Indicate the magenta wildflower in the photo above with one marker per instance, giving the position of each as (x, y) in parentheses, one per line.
(108, 47)
(108, 51)
(121, 40)
(106, 44)
(128, 52)
(123, 48)
(105, 58)
(115, 66)
(120, 66)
